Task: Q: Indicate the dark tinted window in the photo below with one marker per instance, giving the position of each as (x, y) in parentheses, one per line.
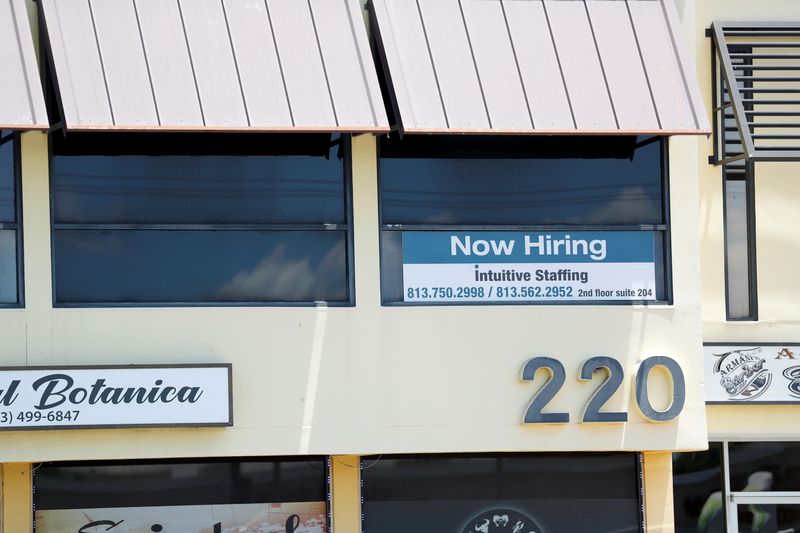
(207, 189)
(767, 518)
(550, 492)
(200, 266)
(521, 181)
(7, 208)
(8, 266)
(244, 493)
(503, 192)
(162, 219)
(9, 226)
(765, 466)
(697, 491)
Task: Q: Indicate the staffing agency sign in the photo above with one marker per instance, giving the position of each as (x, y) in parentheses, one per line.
(115, 396)
(752, 373)
(485, 266)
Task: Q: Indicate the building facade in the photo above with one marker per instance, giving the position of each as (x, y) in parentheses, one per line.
(403, 266)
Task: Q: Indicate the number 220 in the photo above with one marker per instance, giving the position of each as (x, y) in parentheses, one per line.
(614, 378)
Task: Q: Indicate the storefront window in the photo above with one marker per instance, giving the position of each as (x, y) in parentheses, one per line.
(531, 220)
(9, 222)
(191, 497)
(761, 494)
(765, 466)
(576, 492)
(182, 220)
(697, 491)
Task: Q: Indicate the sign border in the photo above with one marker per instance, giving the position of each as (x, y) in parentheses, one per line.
(228, 366)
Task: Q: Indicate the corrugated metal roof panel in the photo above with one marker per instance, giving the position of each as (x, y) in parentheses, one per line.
(537, 66)
(265, 65)
(21, 97)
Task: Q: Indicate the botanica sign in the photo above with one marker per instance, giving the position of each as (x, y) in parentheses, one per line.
(81, 397)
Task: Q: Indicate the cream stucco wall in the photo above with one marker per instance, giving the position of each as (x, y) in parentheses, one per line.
(777, 194)
(367, 379)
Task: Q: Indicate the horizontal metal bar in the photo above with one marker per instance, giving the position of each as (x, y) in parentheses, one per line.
(765, 497)
(531, 227)
(777, 79)
(767, 67)
(787, 136)
(779, 155)
(758, 26)
(750, 55)
(790, 125)
(764, 44)
(773, 113)
(792, 149)
(770, 90)
(753, 32)
(200, 227)
(756, 101)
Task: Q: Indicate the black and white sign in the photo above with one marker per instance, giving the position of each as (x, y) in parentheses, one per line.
(752, 373)
(115, 396)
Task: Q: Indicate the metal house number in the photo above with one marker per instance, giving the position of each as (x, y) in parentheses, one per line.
(615, 375)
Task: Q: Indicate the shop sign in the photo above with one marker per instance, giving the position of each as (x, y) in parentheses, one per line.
(752, 373)
(302, 517)
(115, 396)
(484, 266)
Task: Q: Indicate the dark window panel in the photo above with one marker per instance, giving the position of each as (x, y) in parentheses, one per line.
(697, 491)
(559, 492)
(200, 189)
(8, 267)
(503, 187)
(153, 266)
(765, 466)
(173, 484)
(7, 207)
(768, 518)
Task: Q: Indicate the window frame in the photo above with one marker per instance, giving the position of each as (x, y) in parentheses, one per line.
(664, 229)
(345, 143)
(15, 137)
(732, 499)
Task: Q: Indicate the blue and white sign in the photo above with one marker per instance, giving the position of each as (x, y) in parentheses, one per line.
(486, 266)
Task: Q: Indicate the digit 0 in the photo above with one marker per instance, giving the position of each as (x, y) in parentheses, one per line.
(678, 389)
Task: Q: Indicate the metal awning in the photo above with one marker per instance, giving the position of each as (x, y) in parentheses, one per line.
(537, 67)
(21, 97)
(240, 65)
(757, 91)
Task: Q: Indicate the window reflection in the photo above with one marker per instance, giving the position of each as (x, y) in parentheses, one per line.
(697, 491)
(195, 266)
(516, 190)
(178, 219)
(8, 266)
(7, 208)
(208, 189)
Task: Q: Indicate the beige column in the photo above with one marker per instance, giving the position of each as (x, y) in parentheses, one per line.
(658, 511)
(346, 494)
(17, 497)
